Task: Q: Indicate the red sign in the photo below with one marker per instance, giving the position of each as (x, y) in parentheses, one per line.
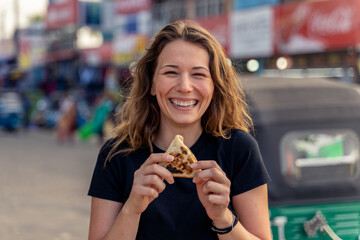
(131, 6)
(317, 26)
(96, 56)
(62, 13)
(219, 27)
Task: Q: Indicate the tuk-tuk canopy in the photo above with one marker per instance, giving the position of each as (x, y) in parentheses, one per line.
(308, 131)
(302, 99)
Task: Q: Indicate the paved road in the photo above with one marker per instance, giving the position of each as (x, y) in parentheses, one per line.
(43, 187)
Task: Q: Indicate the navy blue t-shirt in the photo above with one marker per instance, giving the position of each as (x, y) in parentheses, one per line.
(177, 213)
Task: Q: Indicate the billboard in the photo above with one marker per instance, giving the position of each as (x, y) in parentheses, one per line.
(131, 6)
(139, 22)
(61, 13)
(127, 48)
(239, 4)
(218, 26)
(31, 48)
(308, 27)
(252, 33)
(97, 56)
(60, 43)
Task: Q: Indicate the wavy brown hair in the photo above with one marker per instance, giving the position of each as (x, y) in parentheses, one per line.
(139, 119)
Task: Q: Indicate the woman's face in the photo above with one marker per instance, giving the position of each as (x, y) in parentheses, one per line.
(182, 83)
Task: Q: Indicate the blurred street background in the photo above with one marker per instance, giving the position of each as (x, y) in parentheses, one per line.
(43, 187)
(64, 65)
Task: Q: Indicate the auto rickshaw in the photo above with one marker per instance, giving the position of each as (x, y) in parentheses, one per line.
(11, 110)
(308, 131)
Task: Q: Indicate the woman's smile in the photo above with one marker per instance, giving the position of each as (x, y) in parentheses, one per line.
(183, 103)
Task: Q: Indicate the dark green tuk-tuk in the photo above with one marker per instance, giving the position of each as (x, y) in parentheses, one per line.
(309, 132)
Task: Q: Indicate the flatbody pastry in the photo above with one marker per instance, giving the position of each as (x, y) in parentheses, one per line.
(183, 157)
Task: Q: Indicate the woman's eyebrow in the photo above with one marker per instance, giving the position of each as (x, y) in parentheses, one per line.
(201, 67)
(195, 68)
(169, 65)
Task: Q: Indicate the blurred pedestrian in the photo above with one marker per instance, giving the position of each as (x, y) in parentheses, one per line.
(26, 105)
(104, 106)
(67, 121)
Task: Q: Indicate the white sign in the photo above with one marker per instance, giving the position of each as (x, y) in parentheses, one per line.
(252, 33)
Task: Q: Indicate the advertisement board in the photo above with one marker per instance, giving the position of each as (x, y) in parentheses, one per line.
(127, 48)
(97, 56)
(31, 49)
(239, 4)
(60, 43)
(252, 33)
(131, 6)
(62, 13)
(219, 27)
(315, 26)
(139, 22)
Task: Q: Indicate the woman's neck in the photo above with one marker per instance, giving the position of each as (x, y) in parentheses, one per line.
(166, 134)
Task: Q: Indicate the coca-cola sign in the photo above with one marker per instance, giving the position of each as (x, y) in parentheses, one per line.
(337, 21)
(307, 27)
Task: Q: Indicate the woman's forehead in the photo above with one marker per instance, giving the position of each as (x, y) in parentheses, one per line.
(183, 52)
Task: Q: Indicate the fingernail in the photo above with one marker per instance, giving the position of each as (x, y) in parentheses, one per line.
(170, 157)
(193, 165)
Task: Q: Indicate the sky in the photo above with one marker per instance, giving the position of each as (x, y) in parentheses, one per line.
(27, 8)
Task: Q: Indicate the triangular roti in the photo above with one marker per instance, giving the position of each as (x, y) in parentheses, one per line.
(183, 157)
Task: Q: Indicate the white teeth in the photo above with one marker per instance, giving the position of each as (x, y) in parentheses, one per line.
(190, 103)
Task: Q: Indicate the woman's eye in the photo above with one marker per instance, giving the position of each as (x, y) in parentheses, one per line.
(199, 75)
(170, 73)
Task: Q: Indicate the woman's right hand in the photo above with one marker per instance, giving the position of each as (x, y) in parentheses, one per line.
(148, 182)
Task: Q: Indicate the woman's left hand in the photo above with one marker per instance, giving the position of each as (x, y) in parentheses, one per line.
(213, 188)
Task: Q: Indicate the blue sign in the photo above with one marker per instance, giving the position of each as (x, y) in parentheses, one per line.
(131, 23)
(240, 4)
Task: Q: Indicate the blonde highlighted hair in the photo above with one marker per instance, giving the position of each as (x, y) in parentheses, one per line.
(139, 119)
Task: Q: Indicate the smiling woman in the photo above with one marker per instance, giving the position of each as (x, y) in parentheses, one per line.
(182, 85)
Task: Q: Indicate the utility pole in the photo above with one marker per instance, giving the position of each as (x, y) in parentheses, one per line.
(2, 24)
(16, 14)
(16, 30)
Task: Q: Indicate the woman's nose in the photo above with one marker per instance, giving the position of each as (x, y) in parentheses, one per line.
(185, 83)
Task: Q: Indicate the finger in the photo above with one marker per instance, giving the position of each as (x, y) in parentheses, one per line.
(158, 157)
(155, 182)
(219, 200)
(211, 187)
(145, 191)
(205, 165)
(214, 174)
(160, 171)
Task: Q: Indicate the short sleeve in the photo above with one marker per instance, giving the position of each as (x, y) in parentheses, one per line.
(106, 181)
(248, 169)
